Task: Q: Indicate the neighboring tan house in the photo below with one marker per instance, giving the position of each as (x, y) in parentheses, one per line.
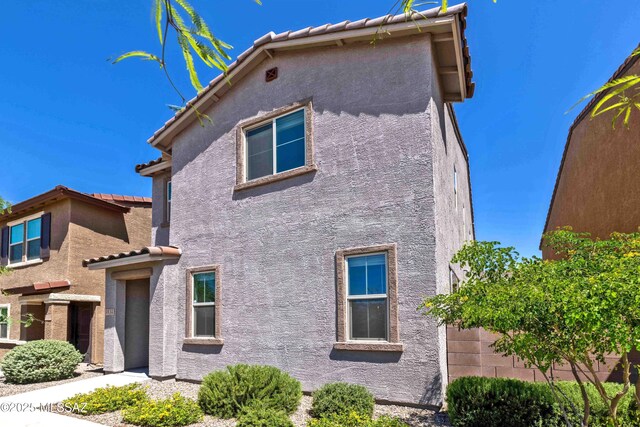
(597, 191)
(44, 240)
(303, 226)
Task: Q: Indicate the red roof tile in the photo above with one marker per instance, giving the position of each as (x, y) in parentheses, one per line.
(148, 250)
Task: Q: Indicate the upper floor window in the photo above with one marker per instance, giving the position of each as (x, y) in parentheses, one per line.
(24, 241)
(455, 186)
(276, 146)
(168, 199)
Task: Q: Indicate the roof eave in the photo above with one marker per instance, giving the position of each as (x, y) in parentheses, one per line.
(163, 138)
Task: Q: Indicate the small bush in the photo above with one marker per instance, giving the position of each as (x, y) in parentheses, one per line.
(355, 420)
(500, 402)
(342, 399)
(40, 361)
(225, 393)
(106, 399)
(258, 415)
(175, 411)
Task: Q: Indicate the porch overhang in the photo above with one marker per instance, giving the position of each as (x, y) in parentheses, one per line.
(149, 254)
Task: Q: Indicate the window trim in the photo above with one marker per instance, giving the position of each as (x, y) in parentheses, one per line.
(242, 152)
(8, 307)
(392, 344)
(24, 261)
(168, 189)
(190, 338)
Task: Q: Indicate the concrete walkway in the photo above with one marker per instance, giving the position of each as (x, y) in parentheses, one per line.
(21, 410)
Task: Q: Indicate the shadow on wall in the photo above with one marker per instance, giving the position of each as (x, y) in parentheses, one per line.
(201, 349)
(432, 393)
(274, 187)
(365, 356)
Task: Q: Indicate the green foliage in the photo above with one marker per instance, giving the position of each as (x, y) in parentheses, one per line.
(574, 310)
(40, 361)
(106, 399)
(342, 399)
(175, 411)
(354, 419)
(499, 402)
(225, 393)
(258, 415)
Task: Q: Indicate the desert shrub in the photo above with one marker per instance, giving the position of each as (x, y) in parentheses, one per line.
(342, 399)
(175, 411)
(500, 402)
(570, 390)
(106, 399)
(258, 415)
(40, 361)
(354, 419)
(224, 393)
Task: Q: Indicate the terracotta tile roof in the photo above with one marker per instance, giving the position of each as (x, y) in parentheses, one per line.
(153, 251)
(116, 198)
(459, 10)
(40, 286)
(620, 72)
(141, 166)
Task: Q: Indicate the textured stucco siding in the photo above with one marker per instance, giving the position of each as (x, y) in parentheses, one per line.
(160, 227)
(276, 244)
(451, 216)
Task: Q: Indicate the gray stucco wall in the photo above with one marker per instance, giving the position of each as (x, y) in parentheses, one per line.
(374, 147)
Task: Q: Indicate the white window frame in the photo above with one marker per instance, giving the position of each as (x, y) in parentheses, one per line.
(168, 193)
(195, 304)
(350, 298)
(274, 142)
(8, 308)
(25, 241)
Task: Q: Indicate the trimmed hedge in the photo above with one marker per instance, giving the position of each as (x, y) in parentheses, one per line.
(106, 399)
(225, 393)
(503, 402)
(175, 411)
(342, 399)
(40, 361)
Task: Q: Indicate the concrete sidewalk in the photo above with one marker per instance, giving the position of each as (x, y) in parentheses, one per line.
(29, 416)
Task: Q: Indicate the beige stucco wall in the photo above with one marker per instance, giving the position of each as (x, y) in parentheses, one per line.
(79, 230)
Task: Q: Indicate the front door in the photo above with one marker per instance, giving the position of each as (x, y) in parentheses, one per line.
(136, 331)
(80, 314)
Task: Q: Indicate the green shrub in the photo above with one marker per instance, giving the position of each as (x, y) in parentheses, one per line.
(225, 393)
(257, 415)
(599, 413)
(342, 399)
(175, 411)
(355, 420)
(499, 402)
(106, 399)
(40, 361)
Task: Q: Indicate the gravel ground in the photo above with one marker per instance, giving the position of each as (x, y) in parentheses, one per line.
(162, 390)
(83, 372)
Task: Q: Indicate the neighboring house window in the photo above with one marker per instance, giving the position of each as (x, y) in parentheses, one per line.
(276, 146)
(453, 281)
(24, 241)
(203, 317)
(368, 299)
(168, 198)
(455, 186)
(4, 322)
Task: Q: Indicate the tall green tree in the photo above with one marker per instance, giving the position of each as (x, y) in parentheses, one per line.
(574, 311)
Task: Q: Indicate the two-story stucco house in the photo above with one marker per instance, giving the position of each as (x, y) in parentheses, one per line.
(44, 240)
(304, 225)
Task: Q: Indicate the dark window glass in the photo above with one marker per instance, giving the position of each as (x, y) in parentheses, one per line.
(260, 152)
(368, 319)
(33, 249)
(204, 321)
(16, 252)
(290, 141)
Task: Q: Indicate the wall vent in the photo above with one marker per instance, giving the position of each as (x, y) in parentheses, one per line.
(271, 74)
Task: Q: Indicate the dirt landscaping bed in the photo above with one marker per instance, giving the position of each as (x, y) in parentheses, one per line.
(161, 390)
(83, 372)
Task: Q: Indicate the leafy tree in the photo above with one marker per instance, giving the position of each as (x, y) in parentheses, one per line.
(573, 311)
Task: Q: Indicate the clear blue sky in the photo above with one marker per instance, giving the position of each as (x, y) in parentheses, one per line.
(67, 116)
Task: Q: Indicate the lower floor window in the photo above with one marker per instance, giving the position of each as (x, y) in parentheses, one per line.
(4, 322)
(203, 304)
